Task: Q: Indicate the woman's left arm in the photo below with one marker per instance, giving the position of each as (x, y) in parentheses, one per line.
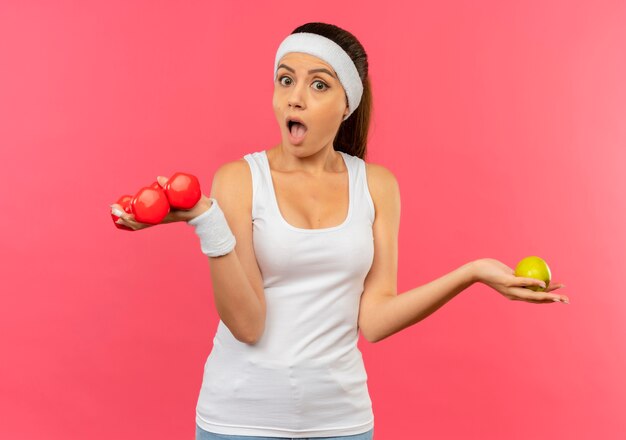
(382, 312)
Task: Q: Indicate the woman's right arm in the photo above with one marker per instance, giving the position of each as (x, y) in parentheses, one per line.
(237, 282)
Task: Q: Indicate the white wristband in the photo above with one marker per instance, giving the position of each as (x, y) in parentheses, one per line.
(216, 238)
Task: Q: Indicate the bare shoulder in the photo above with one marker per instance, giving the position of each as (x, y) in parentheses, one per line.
(234, 169)
(379, 172)
(233, 180)
(382, 183)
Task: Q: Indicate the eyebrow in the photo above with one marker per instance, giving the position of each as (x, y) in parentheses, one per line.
(310, 71)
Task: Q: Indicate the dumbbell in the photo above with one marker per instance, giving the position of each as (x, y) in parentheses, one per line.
(124, 201)
(152, 203)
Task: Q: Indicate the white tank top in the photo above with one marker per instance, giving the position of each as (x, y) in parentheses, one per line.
(305, 376)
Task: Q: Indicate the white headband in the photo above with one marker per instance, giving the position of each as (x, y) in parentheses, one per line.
(329, 51)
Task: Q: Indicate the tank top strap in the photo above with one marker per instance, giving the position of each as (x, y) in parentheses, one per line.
(260, 190)
(363, 203)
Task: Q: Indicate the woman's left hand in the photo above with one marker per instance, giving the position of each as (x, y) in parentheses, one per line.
(502, 278)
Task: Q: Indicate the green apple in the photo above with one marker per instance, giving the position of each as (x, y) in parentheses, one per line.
(534, 267)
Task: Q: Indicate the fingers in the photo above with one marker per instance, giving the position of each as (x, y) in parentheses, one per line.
(125, 218)
(555, 286)
(537, 301)
(529, 282)
(539, 297)
(129, 220)
(162, 181)
(118, 211)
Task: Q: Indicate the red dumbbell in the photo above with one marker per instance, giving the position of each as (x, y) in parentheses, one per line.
(124, 202)
(151, 204)
(182, 190)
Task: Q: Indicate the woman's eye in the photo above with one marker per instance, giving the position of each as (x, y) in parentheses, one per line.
(324, 86)
(318, 85)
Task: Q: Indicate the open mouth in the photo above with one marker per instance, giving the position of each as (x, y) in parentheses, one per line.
(291, 124)
(296, 129)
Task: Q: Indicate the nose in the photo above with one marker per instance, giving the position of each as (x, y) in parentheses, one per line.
(296, 95)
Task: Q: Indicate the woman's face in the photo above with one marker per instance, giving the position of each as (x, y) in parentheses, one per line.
(316, 97)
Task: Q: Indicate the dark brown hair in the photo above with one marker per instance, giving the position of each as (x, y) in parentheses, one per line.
(351, 137)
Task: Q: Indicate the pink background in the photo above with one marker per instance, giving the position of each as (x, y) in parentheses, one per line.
(504, 123)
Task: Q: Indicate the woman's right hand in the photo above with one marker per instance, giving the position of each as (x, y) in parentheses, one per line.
(175, 215)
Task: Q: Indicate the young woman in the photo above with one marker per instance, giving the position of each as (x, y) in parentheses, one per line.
(303, 252)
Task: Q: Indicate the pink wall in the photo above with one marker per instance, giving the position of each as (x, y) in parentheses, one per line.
(504, 123)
